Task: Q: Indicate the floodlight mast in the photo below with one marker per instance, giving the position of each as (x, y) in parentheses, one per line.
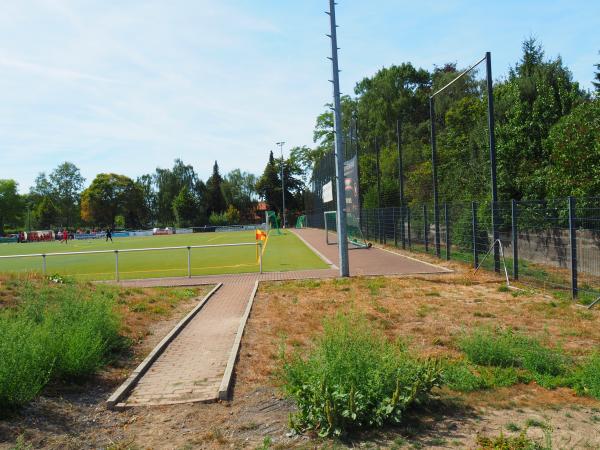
(339, 148)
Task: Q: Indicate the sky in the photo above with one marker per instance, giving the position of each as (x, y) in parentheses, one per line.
(128, 86)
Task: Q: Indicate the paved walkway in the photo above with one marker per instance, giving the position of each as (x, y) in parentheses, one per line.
(191, 368)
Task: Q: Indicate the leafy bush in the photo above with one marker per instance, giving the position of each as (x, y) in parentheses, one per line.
(25, 363)
(586, 379)
(458, 376)
(510, 349)
(353, 377)
(56, 332)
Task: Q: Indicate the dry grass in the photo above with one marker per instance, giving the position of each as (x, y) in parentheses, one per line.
(428, 312)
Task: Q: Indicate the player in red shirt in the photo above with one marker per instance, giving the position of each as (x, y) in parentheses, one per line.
(65, 236)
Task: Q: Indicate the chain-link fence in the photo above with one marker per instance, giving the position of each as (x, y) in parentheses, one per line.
(552, 243)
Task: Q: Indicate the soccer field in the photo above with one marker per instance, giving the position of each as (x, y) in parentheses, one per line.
(280, 253)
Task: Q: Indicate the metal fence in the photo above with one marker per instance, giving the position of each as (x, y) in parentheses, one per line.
(554, 243)
(45, 256)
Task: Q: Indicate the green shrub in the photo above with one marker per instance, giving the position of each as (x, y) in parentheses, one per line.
(586, 379)
(510, 349)
(353, 377)
(459, 377)
(56, 332)
(25, 363)
(487, 348)
(520, 442)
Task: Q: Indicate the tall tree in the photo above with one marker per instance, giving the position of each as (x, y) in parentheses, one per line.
(596, 81)
(110, 195)
(46, 213)
(214, 192)
(239, 190)
(169, 183)
(10, 203)
(146, 184)
(66, 182)
(536, 95)
(269, 185)
(574, 143)
(185, 208)
(63, 188)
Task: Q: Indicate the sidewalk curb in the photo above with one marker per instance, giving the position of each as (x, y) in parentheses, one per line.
(228, 375)
(142, 368)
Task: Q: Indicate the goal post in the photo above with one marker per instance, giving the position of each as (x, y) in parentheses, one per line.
(355, 235)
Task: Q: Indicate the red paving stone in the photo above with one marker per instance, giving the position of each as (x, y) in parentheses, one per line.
(191, 368)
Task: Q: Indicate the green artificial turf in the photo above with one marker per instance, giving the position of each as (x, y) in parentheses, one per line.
(282, 253)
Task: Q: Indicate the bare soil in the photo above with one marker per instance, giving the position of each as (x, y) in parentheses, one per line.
(428, 312)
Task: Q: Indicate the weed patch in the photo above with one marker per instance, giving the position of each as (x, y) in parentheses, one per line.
(511, 349)
(586, 379)
(353, 378)
(55, 332)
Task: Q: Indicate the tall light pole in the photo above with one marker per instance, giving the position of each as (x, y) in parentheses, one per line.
(282, 183)
(339, 147)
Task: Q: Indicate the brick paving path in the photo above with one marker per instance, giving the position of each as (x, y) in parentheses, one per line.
(191, 368)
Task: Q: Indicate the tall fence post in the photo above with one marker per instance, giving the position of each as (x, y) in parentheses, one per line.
(474, 230)
(189, 255)
(573, 244)
(447, 224)
(402, 230)
(425, 229)
(395, 227)
(408, 227)
(117, 265)
(515, 238)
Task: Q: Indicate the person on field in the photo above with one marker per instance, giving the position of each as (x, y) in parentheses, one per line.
(65, 236)
(108, 235)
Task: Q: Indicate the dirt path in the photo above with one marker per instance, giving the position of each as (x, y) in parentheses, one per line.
(193, 366)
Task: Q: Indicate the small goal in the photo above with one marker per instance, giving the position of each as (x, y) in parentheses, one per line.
(355, 235)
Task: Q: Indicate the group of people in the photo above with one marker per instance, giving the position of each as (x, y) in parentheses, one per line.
(62, 236)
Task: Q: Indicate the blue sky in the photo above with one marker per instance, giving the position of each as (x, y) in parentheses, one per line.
(127, 86)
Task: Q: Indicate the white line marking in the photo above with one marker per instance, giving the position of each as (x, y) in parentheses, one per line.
(317, 252)
(445, 269)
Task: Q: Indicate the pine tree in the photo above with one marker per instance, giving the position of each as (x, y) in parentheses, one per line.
(596, 81)
(214, 192)
(269, 184)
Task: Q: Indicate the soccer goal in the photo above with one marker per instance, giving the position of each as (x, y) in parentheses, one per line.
(355, 235)
(272, 222)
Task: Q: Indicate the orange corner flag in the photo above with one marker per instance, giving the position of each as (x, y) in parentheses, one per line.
(260, 235)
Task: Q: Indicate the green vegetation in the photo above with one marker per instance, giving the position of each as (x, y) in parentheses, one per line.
(587, 377)
(353, 377)
(282, 252)
(520, 442)
(54, 333)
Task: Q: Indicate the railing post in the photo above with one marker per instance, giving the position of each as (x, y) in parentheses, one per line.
(474, 231)
(425, 229)
(515, 238)
(573, 244)
(260, 268)
(117, 265)
(189, 255)
(408, 227)
(44, 265)
(447, 223)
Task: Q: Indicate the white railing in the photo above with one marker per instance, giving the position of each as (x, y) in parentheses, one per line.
(133, 250)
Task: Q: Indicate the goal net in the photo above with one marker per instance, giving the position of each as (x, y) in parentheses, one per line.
(355, 235)
(272, 222)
